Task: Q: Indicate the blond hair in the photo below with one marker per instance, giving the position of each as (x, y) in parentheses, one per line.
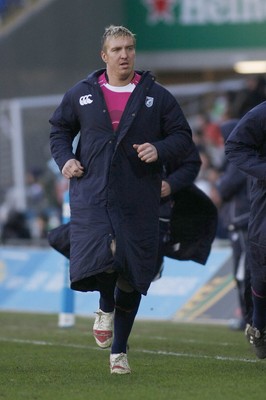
(116, 31)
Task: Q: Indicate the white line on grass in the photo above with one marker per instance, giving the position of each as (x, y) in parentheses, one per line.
(161, 338)
(158, 352)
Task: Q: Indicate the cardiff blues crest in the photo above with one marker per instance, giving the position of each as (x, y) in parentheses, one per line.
(149, 101)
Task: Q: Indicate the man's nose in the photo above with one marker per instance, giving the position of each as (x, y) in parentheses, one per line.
(124, 53)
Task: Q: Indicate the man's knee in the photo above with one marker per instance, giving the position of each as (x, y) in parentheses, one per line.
(259, 288)
(127, 301)
(123, 285)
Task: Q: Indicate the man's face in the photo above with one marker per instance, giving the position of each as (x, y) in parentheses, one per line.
(119, 56)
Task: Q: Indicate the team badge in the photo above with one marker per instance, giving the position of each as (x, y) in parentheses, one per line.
(149, 101)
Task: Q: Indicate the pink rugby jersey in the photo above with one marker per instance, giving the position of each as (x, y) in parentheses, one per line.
(116, 97)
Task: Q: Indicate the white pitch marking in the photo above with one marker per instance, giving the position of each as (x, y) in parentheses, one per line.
(158, 352)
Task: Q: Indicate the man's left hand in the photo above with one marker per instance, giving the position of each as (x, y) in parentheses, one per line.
(146, 152)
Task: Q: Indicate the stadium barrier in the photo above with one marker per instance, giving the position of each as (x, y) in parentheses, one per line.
(35, 279)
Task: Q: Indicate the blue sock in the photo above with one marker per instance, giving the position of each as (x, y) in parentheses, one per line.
(106, 303)
(106, 284)
(126, 308)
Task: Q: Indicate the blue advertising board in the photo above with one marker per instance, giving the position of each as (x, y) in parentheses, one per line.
(33, 280)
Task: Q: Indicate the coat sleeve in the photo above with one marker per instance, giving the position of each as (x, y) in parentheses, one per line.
(186, 173)
(175, 130)
(65, 126)
(231, 182)
(244, 146)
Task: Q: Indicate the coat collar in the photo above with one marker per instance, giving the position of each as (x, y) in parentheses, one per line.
(92, 78)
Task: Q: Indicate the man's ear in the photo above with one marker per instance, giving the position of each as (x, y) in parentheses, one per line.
(103, 55)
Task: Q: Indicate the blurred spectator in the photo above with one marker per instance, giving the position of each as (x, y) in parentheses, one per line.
(230, 195)
(15, 227)
(35, 199)
(35, 193)
(39, 212)
(55, 186)
(208, 174)
(219, 108)
(211, 140)
(9, 204)
(253, 94)
(42, 225)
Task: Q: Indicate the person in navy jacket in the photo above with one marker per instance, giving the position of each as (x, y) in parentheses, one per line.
(246, 148)
(115, 182)
(230, 194)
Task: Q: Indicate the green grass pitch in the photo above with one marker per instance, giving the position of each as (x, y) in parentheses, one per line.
(40, 361)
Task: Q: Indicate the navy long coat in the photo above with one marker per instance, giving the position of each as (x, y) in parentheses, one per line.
(193, 218)
(119, 195)
(246, 148)
(233, 188)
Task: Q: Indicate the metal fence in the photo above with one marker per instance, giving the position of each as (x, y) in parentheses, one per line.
(24, 141)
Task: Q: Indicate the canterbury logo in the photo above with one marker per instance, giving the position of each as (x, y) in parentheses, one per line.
(84, 100)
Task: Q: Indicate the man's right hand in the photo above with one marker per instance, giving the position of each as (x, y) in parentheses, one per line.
(72, 168)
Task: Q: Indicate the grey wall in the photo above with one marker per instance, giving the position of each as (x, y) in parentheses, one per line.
(55, 47)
